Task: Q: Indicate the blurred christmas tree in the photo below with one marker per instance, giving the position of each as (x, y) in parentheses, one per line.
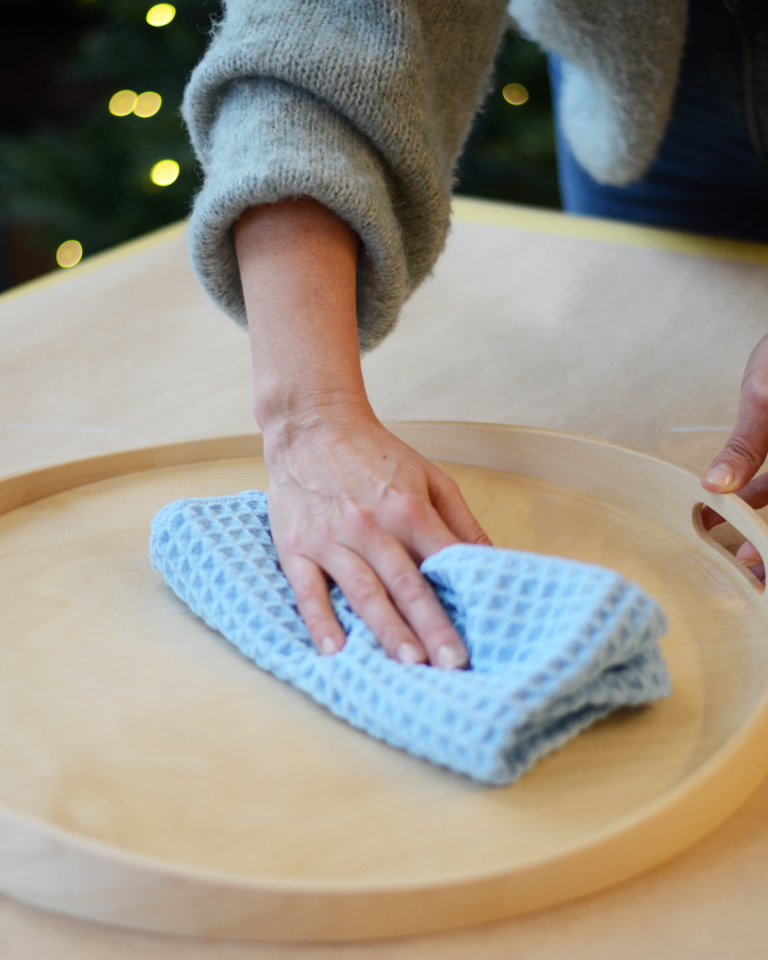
(510, 154)
(78, 163)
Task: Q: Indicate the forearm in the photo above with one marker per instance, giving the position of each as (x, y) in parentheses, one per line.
(298, 264)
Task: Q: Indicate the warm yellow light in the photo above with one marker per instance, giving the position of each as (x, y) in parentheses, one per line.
(161, 14)
(122, 103)
(515, 93)
(164, 172)
(69, 253)
(147, 104)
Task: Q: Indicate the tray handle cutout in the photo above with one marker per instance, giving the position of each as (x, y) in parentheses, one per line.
(732, 520)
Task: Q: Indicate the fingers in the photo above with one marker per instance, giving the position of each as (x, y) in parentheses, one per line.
(755, 494)
(747, 446)
(453, 509)
(398, 614)
(398, 605)
(311, 590)
(420, 608)
(394, 600)
(748, 556)
(366, 595)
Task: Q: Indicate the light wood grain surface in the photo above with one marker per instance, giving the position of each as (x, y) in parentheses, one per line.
(153, 778)
(593, 333)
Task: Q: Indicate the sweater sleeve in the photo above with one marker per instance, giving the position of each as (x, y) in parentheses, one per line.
(362, 105)
(621, 60)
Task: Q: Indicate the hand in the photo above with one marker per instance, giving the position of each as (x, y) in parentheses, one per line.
(349, 500)
(733, 470)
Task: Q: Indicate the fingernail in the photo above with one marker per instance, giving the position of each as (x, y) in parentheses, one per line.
(449, 658)
(407, 653)
(329, 646)
(721, 476)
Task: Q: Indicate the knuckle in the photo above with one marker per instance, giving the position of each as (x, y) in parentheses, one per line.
(408, 586)
(743, 449)
(304, 588)
(412, 509)
(362, 587)
(436, 631)
(449, 485)
(361, 519)
(291, 543)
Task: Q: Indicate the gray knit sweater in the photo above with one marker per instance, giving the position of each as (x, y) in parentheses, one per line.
(364, 105)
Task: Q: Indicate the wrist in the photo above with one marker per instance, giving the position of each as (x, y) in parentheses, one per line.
(284, 415)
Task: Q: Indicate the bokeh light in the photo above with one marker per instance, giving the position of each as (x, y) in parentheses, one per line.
(147, 104)
(515, 93)
(69, 253)
(122, 103)
(164, 172)
(161, 14)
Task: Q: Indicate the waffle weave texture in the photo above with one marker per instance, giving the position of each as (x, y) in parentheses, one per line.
(554, 644)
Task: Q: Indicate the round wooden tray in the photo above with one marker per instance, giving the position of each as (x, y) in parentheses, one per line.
(151, 776)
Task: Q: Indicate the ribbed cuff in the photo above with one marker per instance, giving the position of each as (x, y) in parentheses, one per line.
(271, 141)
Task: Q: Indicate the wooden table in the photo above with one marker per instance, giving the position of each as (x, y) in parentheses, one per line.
(633, 334)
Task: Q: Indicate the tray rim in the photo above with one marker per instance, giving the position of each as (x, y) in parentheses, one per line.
(745, 744)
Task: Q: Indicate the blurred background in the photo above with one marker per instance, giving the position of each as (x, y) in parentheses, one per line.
(93, 152)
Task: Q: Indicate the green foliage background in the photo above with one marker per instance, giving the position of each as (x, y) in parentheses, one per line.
(88, 178)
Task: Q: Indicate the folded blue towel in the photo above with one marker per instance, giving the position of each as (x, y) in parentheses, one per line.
(554, 644)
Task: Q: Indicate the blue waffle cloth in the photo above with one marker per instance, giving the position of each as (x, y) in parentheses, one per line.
(554, 644)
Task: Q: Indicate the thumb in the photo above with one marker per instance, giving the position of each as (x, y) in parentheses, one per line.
(746, 448)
